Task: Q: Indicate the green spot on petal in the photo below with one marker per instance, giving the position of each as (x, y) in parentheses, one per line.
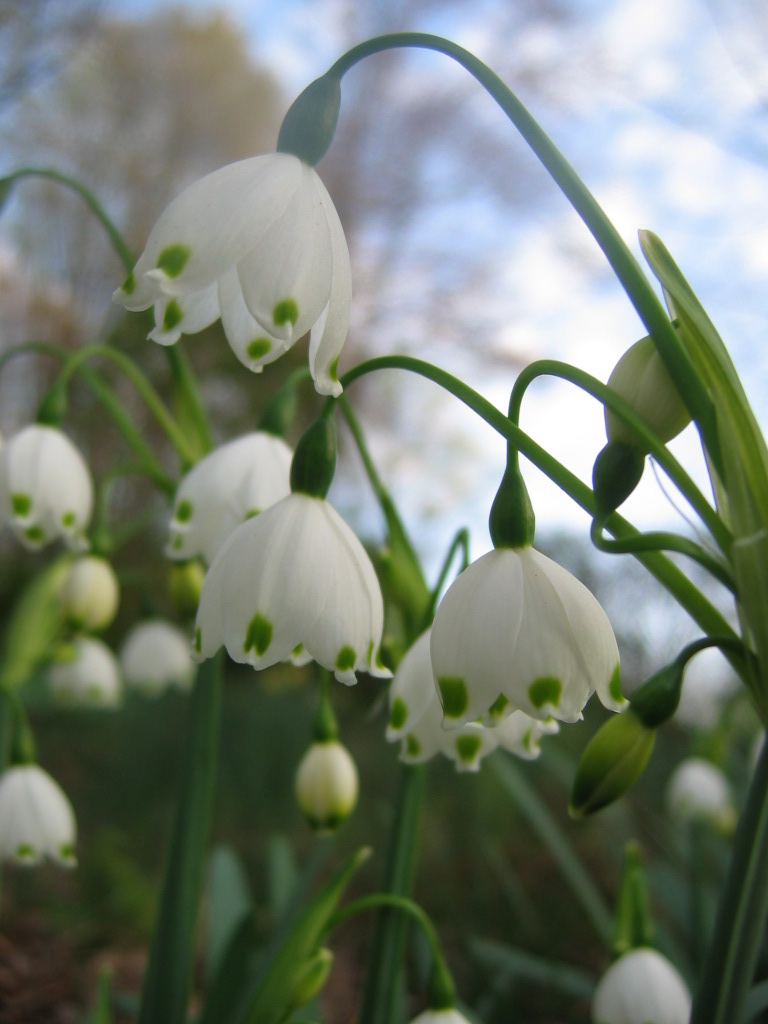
(198, 640)
(21, 504)
(259, 634)
(25, 852)
(333, 369)
(545, 690)
(258, 347)
(528, 740)
(129, 284)
(68, 519)
(467, 748)
(173, 259)
(35, 534)
(184, 511)
(67, 852)
(286, 311)
(346, 658)
(412, 745)
(497, 708)
(177, 543)
(453, 695)
(398, 713)
(614, 687)
(172, 316)
(251, 513)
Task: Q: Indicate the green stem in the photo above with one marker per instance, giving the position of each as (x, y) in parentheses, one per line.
(650, 442)
(626, 268)
(380, 998)
(168, 978)
(460, 543)
(118, 243)
(729, 967)
(666, 572)
(149, 395)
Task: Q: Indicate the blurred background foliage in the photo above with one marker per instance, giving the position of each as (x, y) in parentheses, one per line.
(137, 109)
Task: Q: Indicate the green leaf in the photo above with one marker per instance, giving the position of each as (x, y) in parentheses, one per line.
(237, 965)
(275, 994)
(229, 903)
(168, 977)
(283, 875)
(34, 624)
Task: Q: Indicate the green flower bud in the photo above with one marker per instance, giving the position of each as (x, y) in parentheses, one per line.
(314, 460)
(617, 472)
(311, 977)
(90, 594)
(657, 699)
(613, 761)
(185, 582)
(643, 381)
(512, 522)
(308, 127)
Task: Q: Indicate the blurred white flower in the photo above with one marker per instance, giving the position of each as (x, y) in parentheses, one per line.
(293, 580)
(228, 486)
(517, 632)
(90, 594)
(155, 655)
(46, 491)
(641, 987)
(259, 244)
(326, 785)
(416, 720)
(698, 791)
(89, 674)
(447, 1016)
(36, 818)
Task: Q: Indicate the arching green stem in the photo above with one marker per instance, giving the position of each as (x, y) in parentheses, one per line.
(625, 266)
(459, 543)
(149, 395)
(650, 442)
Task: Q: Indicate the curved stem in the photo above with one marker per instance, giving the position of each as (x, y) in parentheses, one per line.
(729, 967)
(662, 541)
(460, 543)
(118, 243)
(650, 442)
(625, 266)
(666, 572)
(151, 398)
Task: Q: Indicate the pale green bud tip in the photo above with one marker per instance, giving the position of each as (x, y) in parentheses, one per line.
(308, 127)
(614, 759)
(643, 381)
(311, 977)
(326, 785)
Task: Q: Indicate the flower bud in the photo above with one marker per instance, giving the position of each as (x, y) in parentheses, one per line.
(699, 791)
(311, 977)
(613, 761)
(90, 594)
(642, 380)
(185, 583)
(641, 987)
(326, 785)
(616, 473)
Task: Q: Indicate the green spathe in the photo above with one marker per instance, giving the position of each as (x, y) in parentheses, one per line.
(613, 761)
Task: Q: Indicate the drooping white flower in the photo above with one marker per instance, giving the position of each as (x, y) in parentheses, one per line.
(326, 785)
(36, 818)
(641, 987)
(46, 492)
(90, 593)
(517, 632)
(228, 486)
(89, 675)
(259, 244)
(447, 1016)
(416, 720)
(155, 655)
(698, 791)
(294, 578)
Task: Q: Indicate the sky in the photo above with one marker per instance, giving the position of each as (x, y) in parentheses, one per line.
(662, 106)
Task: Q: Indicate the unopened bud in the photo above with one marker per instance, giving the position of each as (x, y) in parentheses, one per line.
(185, 582)
(90, 594)
(311, 977)
(612, 762)
(326, 785)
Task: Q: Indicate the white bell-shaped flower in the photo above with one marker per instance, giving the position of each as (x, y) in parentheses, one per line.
(90, 594)
(155, 656)
(448, 1016)
(259, 244)
(641, 987)
(228, 486)
(416, 720)
(89, 674)
(293, 579)
(36, 818)
(698, 791)
(46, 492)
(517, 632)
(326, 785)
